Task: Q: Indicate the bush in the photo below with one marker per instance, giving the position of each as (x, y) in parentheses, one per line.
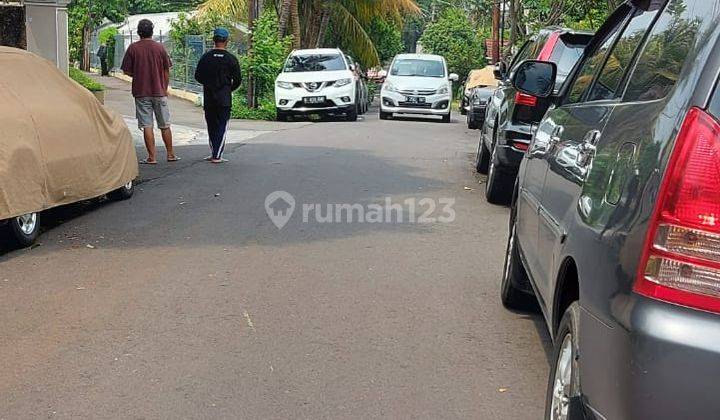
(268, 54)
(265, 111)
(453, 37)
(85, 81)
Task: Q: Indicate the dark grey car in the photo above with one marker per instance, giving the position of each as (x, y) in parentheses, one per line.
(615, 221)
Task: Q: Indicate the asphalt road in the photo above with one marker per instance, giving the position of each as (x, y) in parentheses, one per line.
(188, 302)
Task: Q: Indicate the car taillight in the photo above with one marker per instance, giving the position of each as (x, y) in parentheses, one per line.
(523, 99)
(681, 258)
(521, 146)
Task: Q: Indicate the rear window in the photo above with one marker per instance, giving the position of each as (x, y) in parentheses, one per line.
(314, 62)
(418, 67)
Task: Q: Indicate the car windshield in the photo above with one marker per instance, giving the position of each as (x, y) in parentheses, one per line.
(418, 67)
(314, 62)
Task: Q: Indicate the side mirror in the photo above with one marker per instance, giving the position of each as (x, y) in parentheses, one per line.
(454, 77)
(536, 78)
(500, 70)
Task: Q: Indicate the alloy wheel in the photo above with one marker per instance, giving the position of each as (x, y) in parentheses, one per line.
(27, 223)
(562, 385)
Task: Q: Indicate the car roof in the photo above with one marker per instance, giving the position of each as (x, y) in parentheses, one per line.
(317, 51)
(420, 57)
(562, 30)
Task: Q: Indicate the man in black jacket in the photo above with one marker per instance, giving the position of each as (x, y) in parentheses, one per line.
(219, 73)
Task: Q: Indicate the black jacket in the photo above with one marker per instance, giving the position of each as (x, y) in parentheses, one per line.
(219, 73)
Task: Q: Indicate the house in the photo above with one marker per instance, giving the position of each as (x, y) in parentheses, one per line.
(40, 26)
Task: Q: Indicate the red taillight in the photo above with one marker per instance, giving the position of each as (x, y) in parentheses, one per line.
(681, 259)
(521, 146)
(523, 99)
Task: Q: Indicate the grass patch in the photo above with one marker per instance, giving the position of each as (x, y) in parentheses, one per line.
(86, 81)
(266, 110)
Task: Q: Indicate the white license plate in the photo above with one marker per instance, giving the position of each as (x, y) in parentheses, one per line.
(415, 100)
(314, 100)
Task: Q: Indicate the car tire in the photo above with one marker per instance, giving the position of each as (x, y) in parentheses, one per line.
(498, 188)
(564, 394)
(123, 193)
(24, 230)
(281, 116)
(446, 118)
(352, 114)
(385, 115)
(483, 158)
(514, 274)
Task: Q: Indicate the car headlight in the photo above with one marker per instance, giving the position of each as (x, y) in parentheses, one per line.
(389, 87)
(285, 85)
(343, 82)
(443, 90)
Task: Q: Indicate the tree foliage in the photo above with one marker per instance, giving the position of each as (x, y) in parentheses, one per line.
(454, 37)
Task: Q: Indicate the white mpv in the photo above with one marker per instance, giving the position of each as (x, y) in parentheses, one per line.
(319, 81)
(417, 84)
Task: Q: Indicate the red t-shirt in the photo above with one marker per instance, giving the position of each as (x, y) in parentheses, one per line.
(147, 61)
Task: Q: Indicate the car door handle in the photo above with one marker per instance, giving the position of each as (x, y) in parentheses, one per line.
(588, 148)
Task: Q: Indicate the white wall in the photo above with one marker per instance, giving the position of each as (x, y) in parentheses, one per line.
(47, 30)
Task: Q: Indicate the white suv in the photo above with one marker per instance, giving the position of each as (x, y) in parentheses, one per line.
(417, 84)
(319, 81)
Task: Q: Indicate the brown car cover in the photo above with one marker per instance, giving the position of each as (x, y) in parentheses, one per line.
(58, 144)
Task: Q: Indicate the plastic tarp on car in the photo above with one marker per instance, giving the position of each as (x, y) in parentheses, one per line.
(481, 77)
(58, 144)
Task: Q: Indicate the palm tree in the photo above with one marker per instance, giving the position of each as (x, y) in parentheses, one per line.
(309, 20)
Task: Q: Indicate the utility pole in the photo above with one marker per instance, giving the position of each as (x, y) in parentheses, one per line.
(495, 44)
(253, 13)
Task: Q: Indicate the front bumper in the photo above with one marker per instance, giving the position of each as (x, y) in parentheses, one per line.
(393, 102)
(337, 100)
(661, 362)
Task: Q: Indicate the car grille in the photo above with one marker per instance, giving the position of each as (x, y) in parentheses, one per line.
(326, 104)
(415, 105)
(418, 92)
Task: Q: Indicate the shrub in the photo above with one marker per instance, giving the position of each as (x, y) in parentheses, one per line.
(268, 54)
(85, 80)
(265, 111)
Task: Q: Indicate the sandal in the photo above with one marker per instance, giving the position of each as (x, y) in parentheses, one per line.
(217, 162)
(173, 159)
(148, 162)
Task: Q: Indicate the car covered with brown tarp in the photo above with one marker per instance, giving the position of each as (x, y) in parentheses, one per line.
(58, 144)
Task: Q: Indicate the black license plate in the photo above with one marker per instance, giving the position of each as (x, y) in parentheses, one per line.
(414, 100)
(314, 100)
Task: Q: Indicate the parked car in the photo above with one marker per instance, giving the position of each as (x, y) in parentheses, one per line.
(361, 80)
(476, 78)
(418, 84)
(511, 115)
(477, 106)
(59, 145)
(317, 81)
(614, 222)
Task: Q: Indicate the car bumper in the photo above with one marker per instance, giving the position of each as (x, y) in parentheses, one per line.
(292, 101)
(661, 362)
(513, 142)
(393, 102)
(477, 113)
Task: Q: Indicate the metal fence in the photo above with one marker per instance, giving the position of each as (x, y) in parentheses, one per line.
(184, 55)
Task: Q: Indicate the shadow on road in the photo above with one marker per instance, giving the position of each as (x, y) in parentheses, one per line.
(195, 203)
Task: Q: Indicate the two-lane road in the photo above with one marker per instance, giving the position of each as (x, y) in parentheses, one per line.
(188, 302)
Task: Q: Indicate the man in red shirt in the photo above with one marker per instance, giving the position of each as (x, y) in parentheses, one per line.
(147, 62)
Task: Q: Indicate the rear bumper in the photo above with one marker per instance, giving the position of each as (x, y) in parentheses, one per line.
(477, 113)
(513, 140)
(662, 362)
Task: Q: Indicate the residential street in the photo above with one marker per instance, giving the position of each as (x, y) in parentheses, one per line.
(188, 302)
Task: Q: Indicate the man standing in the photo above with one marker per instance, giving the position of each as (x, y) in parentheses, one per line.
(102, 55)
(147, 62)
(219, 73)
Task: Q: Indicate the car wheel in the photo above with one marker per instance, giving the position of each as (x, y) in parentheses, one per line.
(124, 192)
(498, 188)
(514, 274)
(483, 158)
(352, 114)
(25, 229)
(563, 394)
(446, 118)
(281, 116)
(385, 115)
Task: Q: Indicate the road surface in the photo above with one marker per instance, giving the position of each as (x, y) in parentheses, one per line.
(188, 301)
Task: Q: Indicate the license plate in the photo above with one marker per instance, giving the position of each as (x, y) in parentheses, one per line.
(314, 100)
(415, 100)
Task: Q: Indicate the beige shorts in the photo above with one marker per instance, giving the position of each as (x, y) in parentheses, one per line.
(148, 108)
